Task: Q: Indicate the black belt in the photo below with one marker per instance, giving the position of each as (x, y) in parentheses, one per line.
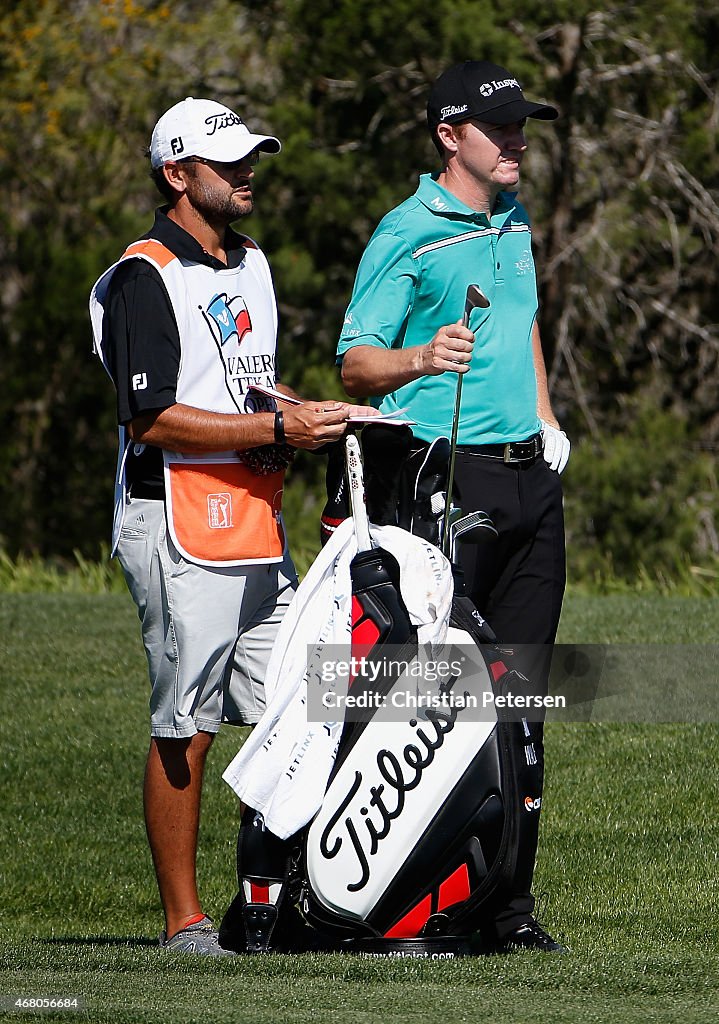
(513, 452)
(155, 492)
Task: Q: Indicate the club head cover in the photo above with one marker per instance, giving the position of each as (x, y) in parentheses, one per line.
(337, 504)
(384, 451)
(423, 488)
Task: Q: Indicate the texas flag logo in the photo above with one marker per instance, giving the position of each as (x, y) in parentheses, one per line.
(230, 317)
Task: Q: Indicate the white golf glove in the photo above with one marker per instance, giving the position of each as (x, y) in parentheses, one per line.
(556, 447)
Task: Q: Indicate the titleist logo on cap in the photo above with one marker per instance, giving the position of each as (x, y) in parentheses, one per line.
(226, 119)
(449, 111)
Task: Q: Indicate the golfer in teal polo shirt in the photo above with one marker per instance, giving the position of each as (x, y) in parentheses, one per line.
(413, 277)
(403, 344)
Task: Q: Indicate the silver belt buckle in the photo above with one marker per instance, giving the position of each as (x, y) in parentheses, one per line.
(507, 453)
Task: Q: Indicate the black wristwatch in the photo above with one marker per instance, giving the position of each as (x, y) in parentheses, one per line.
(280, 428)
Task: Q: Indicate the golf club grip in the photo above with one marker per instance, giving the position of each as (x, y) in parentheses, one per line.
(357, 498)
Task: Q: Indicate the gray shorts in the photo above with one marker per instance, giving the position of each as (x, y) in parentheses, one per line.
(208, 633)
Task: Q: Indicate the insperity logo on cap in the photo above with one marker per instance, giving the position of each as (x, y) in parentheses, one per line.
(483, 90)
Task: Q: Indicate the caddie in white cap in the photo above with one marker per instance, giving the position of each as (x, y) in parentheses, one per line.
(207, 129)
(186, 325)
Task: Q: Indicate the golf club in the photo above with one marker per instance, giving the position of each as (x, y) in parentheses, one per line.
(475, 299)
(357, 498)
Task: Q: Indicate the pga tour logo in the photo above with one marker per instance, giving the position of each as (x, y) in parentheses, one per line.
(219, 511)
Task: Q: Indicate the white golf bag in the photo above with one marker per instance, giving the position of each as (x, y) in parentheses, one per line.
(422, 821)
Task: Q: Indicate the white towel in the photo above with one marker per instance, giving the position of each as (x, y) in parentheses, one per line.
(283, 767)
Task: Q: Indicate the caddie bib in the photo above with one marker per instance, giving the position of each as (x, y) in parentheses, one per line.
(221, 513)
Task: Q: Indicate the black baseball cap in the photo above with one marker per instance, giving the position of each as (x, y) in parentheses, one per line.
(483, 90)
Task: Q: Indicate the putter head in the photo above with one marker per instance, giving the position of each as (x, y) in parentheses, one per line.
(476, 299)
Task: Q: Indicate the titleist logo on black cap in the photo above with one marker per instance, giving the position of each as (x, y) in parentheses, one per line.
(450, 111)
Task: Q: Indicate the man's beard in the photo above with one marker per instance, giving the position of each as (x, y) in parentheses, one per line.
(215, 205)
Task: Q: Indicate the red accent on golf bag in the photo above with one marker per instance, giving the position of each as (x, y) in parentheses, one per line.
(454, 889)
(365, 631)
(413, 922)
(259, 893)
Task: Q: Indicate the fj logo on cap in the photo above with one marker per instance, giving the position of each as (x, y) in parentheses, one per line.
(176, 145)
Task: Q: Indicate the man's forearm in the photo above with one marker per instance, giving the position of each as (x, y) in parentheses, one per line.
(183, 428)
(371, 371)
(285, 389)
(544, 404)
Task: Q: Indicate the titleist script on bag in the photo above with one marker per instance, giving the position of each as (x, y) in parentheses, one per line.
(383, 798)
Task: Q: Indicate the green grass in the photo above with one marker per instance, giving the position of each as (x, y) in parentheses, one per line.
(628, 852)
(31, 575)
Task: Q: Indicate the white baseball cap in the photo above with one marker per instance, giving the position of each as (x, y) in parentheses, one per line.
(205, 128)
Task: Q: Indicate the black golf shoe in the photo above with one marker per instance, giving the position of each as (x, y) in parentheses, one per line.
(530, 935)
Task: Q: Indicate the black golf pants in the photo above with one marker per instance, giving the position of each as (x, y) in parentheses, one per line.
(516, 580)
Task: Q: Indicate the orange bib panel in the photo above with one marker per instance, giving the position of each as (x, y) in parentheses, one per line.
(221, 513)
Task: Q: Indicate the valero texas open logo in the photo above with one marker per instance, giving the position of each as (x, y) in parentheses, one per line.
(227, 322)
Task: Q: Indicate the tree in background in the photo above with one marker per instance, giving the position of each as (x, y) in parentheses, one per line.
(83, 84)
(623, 192)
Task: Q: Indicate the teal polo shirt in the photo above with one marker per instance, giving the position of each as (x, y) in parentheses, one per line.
(412, 280)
